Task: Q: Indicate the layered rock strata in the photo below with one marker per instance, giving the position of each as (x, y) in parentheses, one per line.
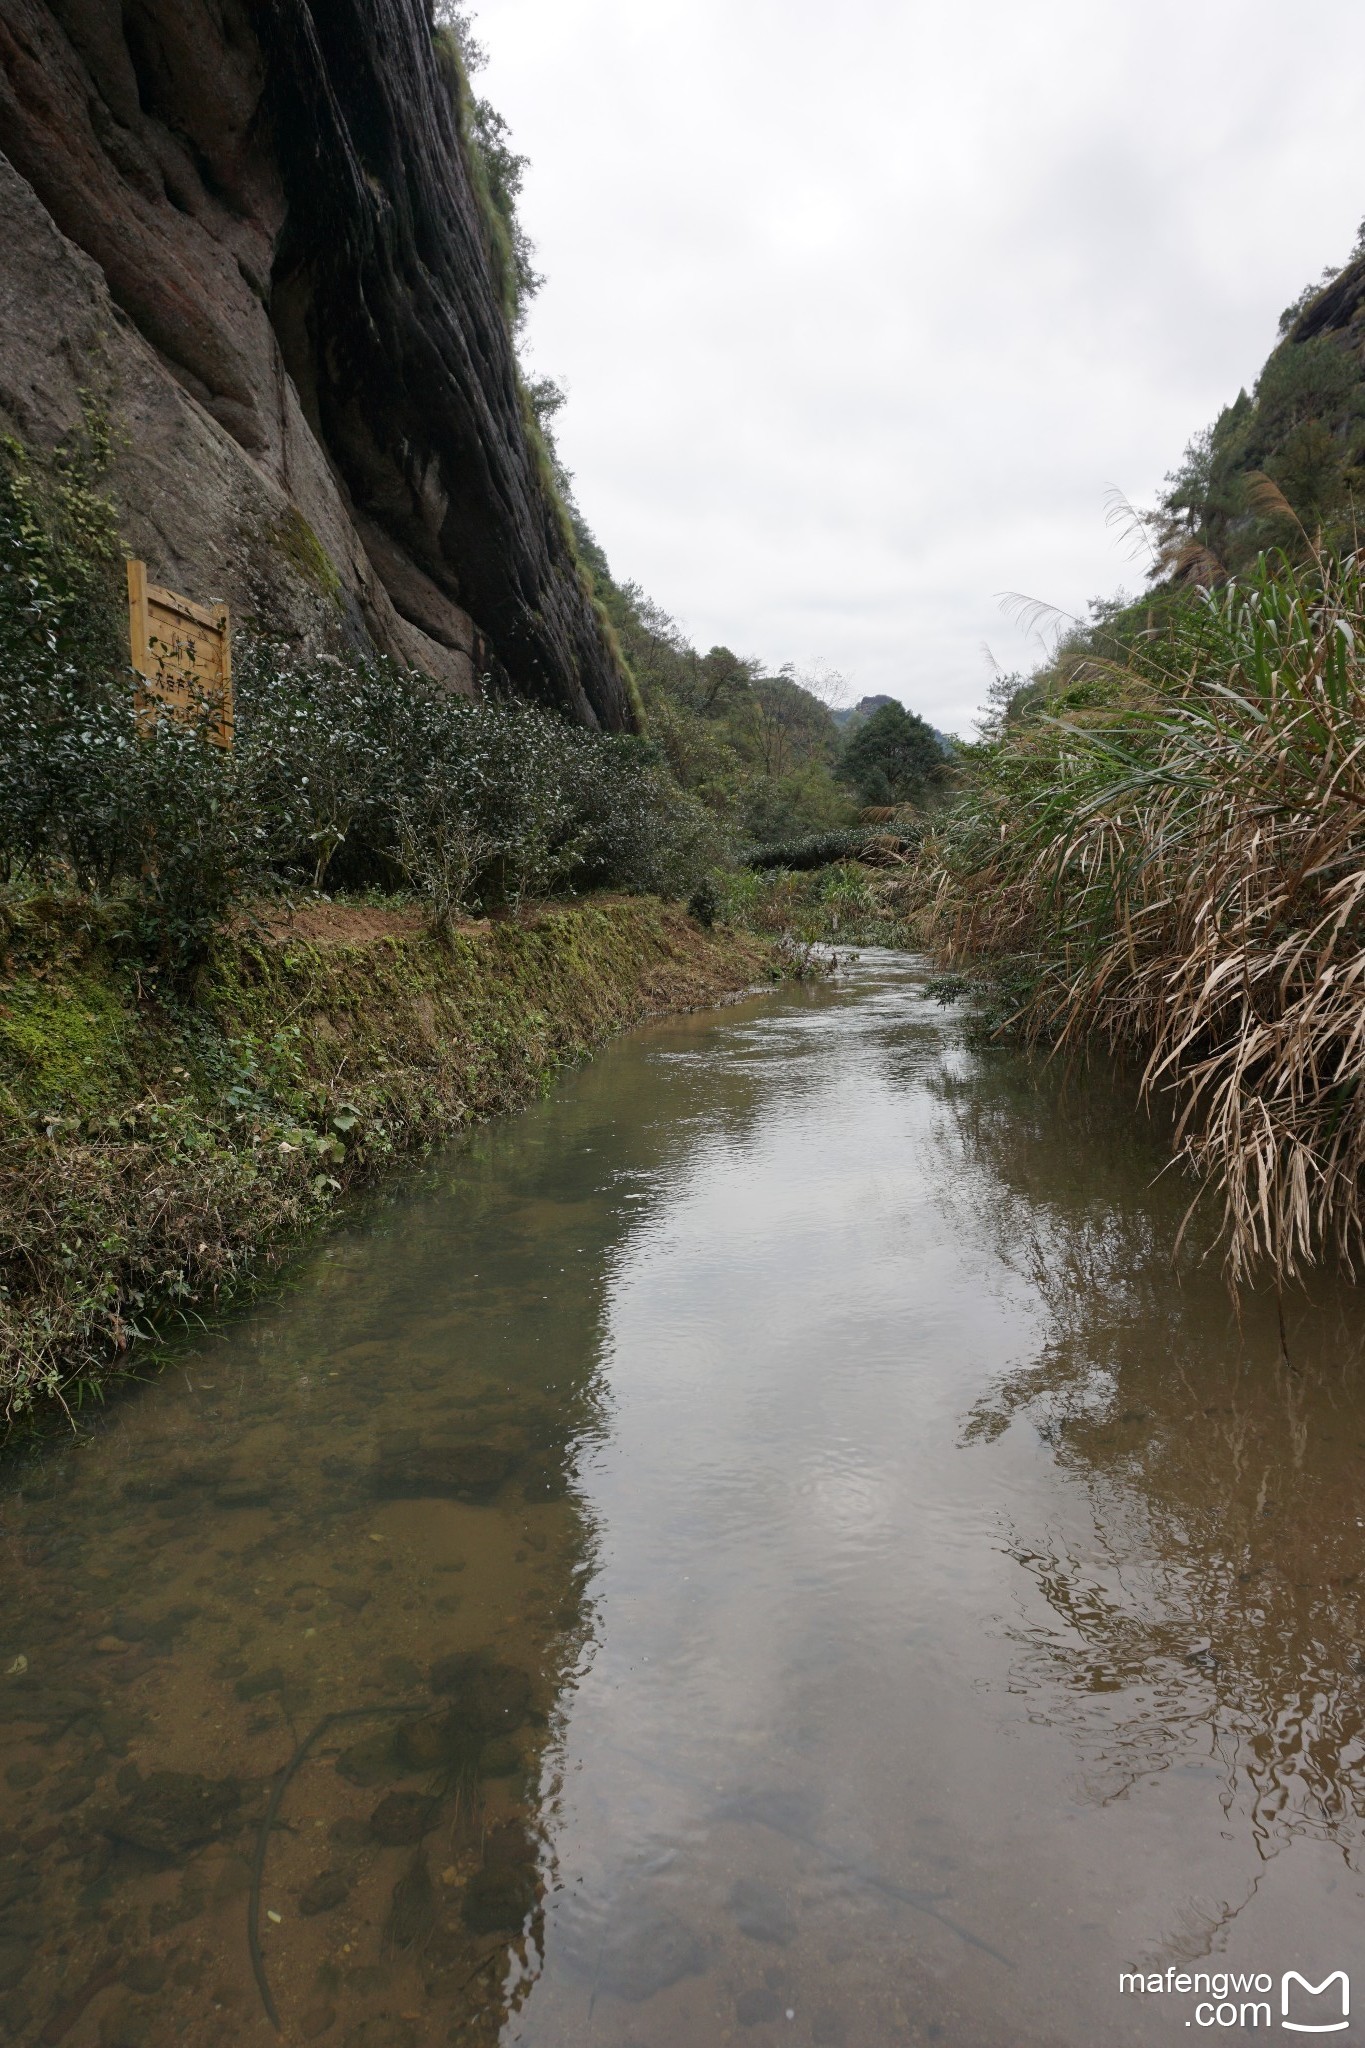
(245, 234)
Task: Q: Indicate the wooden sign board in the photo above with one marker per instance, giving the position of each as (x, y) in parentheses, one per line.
(183, 653)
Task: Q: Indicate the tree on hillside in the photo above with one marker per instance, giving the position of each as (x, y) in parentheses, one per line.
(1302, 426)
(892, 758)
(723, 680)
(757, 749)
(791, 725)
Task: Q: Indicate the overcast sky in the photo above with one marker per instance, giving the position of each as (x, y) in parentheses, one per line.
(861, 306)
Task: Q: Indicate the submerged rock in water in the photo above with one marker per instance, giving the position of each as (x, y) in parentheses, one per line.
(145, 1974)
(497, 1901)
(643, 1955)
(157, 1631)
(499, 1758)
(349, 1833)
(246, 1494)
(545, 1481)
(371, 1761)
(498, 1897)
(423, 1745)
(172, 1812)
(124, 2027)
(143, 1491)
(116, 1728)
(760, 1911)
(752, 2008)
(402, 1818)
(414, 1904)
(507, 1846)
(15, 1958)
(439, 1742)
(399, 1443)
(257, 1684)
(327, 1890)
(488, 1698)
(167, 1914)
(468, 1472)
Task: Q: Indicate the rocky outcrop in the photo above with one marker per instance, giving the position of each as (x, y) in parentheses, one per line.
(1339, 309)
(246, 232)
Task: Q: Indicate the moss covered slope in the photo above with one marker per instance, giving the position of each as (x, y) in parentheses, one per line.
(155, 1158)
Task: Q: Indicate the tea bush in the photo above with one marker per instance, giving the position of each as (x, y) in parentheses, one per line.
(345, 775)
(366, 775)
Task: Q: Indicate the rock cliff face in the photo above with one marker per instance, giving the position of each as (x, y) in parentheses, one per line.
(1340, 309)
(245, 231)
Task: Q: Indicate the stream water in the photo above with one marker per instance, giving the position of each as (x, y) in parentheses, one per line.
(797, 1562)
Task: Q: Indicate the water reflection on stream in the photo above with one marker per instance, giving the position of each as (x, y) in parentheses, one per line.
(811, 1572)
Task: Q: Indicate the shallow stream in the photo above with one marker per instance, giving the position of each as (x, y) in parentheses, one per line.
(797, 1563)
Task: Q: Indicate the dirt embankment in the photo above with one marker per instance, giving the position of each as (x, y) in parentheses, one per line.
(156, 1155)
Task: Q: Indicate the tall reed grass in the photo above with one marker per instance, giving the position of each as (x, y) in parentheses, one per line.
(1173, 859)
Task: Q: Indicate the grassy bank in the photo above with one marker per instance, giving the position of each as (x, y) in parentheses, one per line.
(158, 1152)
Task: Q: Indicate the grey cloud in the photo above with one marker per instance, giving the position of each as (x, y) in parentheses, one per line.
(861, 309)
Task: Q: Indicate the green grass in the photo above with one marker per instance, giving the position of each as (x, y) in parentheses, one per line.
(842, 903)
(157, 1157)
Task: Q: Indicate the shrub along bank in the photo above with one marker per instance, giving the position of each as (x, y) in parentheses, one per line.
(162, 1147)
(346, 773)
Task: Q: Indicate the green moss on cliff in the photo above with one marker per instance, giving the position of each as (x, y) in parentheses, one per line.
(295, 539)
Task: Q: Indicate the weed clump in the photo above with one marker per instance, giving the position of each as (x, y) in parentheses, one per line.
(842, 903)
